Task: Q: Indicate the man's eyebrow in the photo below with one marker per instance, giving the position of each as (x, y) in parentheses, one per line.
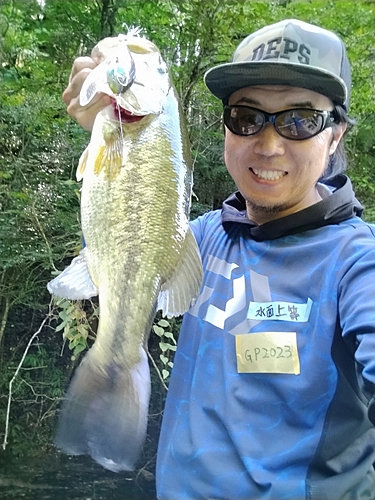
(302, 104)
(247, 100)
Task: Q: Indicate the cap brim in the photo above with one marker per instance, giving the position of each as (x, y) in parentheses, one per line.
(225, 79)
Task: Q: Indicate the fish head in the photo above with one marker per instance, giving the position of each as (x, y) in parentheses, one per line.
(133, 73)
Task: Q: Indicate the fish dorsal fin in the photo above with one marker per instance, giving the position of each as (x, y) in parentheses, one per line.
(184, 285)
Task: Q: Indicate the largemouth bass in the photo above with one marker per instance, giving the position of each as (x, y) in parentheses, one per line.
(140, 254)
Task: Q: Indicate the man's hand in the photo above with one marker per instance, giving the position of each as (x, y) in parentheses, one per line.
(82, 66)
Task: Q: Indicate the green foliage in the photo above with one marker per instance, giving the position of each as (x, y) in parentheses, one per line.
(78, 323)
(167, 344)
(38, 198)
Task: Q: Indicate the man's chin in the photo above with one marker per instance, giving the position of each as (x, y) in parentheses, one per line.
(266, 209)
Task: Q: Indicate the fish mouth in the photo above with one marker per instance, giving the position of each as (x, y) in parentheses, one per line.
(124, 115)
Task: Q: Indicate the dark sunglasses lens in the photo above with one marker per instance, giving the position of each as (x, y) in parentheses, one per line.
(243, 120)
(299, 123)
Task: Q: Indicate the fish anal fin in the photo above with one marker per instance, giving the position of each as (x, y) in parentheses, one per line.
(184, 285)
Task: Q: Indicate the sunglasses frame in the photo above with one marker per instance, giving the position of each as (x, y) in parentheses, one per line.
(329, 118)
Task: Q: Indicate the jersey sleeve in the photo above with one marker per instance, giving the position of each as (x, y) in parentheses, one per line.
(357, 318)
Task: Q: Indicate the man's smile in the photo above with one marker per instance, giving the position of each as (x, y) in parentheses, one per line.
(268, 175)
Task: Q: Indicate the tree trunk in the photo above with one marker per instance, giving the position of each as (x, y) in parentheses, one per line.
(108, 11)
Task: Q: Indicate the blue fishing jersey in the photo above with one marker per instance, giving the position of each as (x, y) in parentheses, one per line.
(272, 390)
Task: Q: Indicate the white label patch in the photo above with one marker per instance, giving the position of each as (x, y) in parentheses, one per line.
(267, 352)
(282, 311)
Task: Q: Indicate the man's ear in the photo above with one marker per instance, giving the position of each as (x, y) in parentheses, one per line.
(338, 132)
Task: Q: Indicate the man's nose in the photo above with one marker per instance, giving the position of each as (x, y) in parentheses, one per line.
(269, 142)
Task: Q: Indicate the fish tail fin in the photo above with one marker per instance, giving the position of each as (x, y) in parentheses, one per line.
(105, 413)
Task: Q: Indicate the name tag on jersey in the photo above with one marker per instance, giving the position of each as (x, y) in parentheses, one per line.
(267, 352)
(281, 311)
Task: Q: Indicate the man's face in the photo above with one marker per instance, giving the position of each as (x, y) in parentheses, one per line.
(278, 176)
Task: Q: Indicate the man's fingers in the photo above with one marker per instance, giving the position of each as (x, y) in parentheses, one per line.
(75, 85)
(81, 63)
(85, 116)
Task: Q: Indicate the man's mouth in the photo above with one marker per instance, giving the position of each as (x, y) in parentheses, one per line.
(124, 115)
(268, 175)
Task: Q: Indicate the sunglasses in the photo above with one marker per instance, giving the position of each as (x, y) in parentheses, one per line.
(294, 124)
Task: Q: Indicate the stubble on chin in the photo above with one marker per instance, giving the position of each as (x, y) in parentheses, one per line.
(256, 208)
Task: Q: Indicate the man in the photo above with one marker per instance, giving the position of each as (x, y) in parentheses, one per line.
(272, 390)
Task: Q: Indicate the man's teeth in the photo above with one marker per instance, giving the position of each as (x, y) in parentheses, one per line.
(269, 175)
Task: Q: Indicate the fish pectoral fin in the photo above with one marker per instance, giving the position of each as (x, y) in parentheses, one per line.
(74, 282)
(105, 153)
(109, 156)
(184, 285)
(82, 164)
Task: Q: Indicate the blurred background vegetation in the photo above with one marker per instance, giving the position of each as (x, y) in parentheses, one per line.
(40, 147)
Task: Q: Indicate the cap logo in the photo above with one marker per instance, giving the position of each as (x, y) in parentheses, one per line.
(290, 52)
(281, 48)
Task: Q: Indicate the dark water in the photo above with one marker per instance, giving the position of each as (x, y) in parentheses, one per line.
(59, 477)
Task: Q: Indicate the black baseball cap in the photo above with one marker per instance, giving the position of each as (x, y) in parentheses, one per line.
(290, 52)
